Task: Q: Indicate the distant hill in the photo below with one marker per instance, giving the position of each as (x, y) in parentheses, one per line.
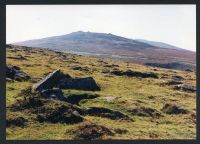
(173, 65)
(159, 44)
(109, 45)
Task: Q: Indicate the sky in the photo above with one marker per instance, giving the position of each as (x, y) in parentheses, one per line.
(172, 24)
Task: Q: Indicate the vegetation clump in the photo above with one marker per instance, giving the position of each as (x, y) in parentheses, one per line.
(18, 121)
(108, 113)
(173, 109)
(144, 111)
(92, 131)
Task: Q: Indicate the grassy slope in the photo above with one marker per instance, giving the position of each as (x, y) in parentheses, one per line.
(129, 92)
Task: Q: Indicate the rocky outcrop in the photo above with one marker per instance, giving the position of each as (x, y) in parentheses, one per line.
(62, 81)
(185, 87)
(177, 78)
(79, 68)
(87, 84)
(15, 73)
(173, 83)
(131, 73)
(174, 109)
(50, 81)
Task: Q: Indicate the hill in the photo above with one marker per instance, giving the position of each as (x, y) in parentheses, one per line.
(126, 100)
(116, 47)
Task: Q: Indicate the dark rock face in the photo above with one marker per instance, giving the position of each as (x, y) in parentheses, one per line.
(185, 87)
(49, 81)
(177, 78)
(87, 84)
(118, 73)
(173, 109)
(60, 80)
(104, 112)
(92, 131)
(15, 73)
(144, 111)
(54, 93)
(131, 73)
(76, 98)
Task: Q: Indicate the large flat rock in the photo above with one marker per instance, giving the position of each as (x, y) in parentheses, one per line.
(49, 81)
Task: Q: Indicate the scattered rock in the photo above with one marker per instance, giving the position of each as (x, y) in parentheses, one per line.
(173, 109)
(75, 67)
(60, 114)
(109, 99)
(151, 97)
(92, 131)
(188, 70)
(15, 73)
(120, 131)
(173, 83)
(80, 68)
(76, 98)
(21, 76)
(16, 121)
(104, 112)
(9, 80)
(49, 81)
(19, 57)
(164, 76)
(131, 73)
(144, 111)
(87, 84)
(27, 103)
(118, 73)
(185, 87)
(193, 117)
(111, 66)
(105, 71)
(54, 93)
(177, 78)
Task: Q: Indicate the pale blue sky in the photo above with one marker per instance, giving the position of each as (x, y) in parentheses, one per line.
(173, 24)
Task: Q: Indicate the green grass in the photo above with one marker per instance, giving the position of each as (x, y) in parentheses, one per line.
(129, 92)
